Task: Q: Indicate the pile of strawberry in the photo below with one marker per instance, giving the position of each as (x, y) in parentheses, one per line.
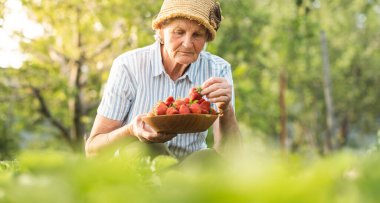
(193, 104)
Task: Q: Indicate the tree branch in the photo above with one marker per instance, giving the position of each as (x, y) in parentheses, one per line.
(61, 58)
(46, 112)
(102, 47)
(108, 42)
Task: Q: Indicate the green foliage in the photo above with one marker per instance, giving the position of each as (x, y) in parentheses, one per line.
(259, 38)
(249, 176)
(67, 66)
(2, 8)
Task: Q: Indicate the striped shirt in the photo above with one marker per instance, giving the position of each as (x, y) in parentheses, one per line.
(138, 80)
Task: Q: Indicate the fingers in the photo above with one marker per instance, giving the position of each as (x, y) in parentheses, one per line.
(212, 81)
(219, 95)
(146, 134)
(218, 91)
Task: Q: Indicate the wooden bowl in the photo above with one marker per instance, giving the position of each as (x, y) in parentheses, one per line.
(180, 123)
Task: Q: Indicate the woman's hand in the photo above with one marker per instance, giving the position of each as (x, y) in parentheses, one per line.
(145, 133)
(218, 91)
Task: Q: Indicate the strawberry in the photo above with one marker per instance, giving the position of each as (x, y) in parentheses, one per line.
(195, 108)
(184, 109)
(160, 108)
(195, 93)
(200, 101)
(169, 101)
(186, 100)
(178, 103)
(212, 111)
(171, 110)
(205, 107)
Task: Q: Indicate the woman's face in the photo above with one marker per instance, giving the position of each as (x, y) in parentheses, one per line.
(183, 40)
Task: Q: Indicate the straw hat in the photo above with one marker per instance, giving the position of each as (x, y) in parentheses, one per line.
(205, 12)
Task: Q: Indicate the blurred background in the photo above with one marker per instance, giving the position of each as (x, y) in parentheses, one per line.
(306, 72)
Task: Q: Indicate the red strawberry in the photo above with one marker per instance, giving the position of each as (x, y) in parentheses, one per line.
(205, 107)
(186, 100)
(195, 108)
(184, 109)
(171, 110)
(169, 101)
(195, 94)
(160, 108)
(178, 103)
(200, 101)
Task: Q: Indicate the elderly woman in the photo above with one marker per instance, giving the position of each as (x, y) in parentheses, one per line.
(169, 67)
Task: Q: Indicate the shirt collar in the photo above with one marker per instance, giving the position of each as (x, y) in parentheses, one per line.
(156, 61)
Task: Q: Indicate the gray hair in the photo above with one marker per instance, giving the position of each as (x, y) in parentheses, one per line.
(157, 37)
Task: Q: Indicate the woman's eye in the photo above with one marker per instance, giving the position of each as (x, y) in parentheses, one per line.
(178, 32)
(198, 35)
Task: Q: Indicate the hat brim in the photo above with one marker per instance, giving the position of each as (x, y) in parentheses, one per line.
(157, 22)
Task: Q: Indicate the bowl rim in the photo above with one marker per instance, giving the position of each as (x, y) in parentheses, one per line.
(190, 114)
(154, 119)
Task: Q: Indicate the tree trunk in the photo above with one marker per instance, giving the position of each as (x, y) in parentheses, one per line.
(76, 107)
(283, 116)
(327, 93)
(76, 103)
(344, 128)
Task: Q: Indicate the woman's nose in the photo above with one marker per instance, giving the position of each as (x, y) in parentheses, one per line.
(187, 41)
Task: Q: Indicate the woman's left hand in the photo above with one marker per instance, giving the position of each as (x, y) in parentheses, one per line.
(218, 91)
(145, 133)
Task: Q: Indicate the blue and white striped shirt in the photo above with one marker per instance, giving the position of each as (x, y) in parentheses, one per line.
(138, 80)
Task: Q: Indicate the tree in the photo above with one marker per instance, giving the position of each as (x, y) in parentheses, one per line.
(57, 90)
(8, 140)
(271, 36)
(68, 65)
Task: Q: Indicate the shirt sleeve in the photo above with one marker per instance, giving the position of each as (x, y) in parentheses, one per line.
(119, 93)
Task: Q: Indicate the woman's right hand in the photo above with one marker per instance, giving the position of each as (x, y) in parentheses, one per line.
(145, 133)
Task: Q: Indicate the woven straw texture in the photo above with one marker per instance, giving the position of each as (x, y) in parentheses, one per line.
(198, 10)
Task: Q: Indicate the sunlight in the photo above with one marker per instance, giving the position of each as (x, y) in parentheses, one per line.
(15, 21)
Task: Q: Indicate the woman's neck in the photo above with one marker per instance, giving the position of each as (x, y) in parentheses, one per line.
(174, 70)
